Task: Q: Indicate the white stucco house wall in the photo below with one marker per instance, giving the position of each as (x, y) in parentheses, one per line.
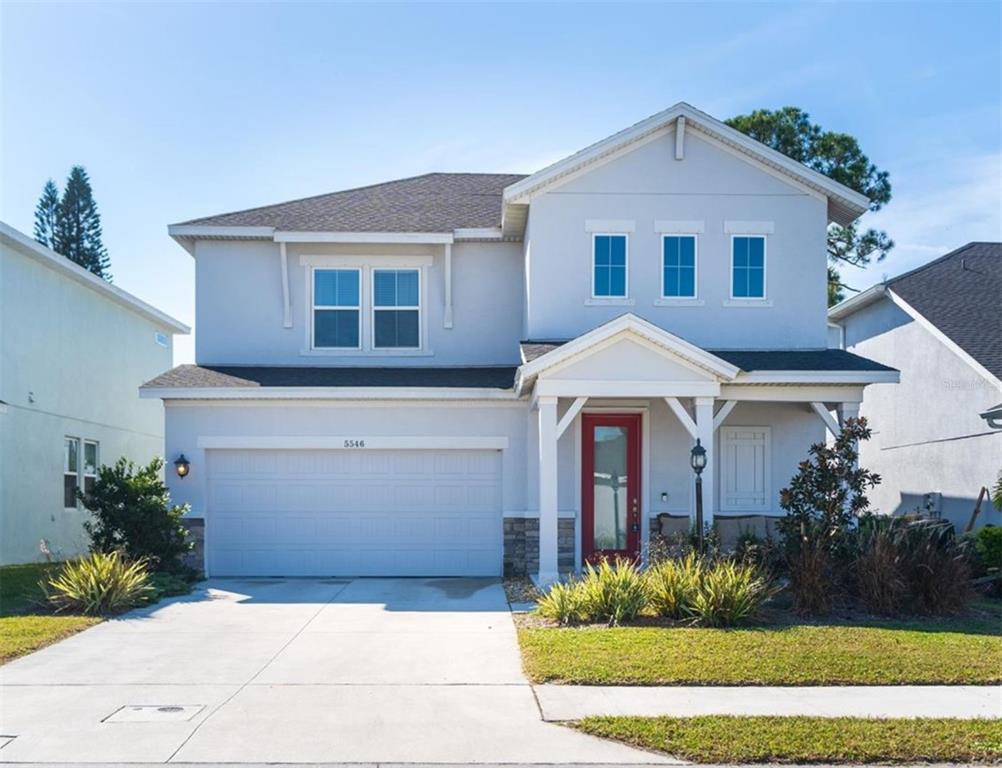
(470, 374)
(941, 326)
(73, 349)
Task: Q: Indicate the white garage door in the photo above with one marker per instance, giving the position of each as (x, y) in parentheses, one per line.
(354, 513)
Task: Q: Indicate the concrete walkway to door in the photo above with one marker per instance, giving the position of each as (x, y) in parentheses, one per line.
(293, 671)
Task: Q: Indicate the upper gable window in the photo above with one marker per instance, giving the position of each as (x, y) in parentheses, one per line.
(678, 267)
(748, 267)
(609, 272)
(396, 308)
(336, 308)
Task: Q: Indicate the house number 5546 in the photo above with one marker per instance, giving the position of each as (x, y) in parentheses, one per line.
(354, 443)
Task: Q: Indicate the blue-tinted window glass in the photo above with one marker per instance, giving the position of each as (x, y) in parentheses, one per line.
(748, 278)
(610, 265)
(335, 288)
(617, 281)
(395, 287)
(679, 266)
(687, 281)
(396, 328)
(335, 328)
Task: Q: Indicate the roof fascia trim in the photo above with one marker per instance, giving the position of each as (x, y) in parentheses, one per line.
(855, 303)
(326, 393)
(77, 273)
(944, 339)
(817, 377)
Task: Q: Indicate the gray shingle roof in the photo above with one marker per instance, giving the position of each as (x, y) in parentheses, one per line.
(224, 376)
(757, 360)
(961, 294)
(434, 202)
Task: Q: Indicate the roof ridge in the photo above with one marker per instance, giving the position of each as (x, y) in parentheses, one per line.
(922, 267)
(360, 188)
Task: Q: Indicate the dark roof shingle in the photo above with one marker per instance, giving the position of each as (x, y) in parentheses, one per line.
(434, 202)
(757, 360)
(224, 376)
(961, 294)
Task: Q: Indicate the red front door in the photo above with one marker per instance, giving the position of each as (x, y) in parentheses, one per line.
(610, 492)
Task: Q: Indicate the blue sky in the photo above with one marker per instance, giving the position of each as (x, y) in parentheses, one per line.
(183, 110)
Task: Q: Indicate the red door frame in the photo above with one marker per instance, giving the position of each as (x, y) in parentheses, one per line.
(632, 422)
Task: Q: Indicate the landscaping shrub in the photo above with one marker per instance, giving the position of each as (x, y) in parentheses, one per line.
(672, 585)
(823, 501)
(561, 602)
(879, 578)
(99, 583)
(132, 513)
(988, 547)
(729, 593)
(936, 567)
(612, 592)
(168, 585)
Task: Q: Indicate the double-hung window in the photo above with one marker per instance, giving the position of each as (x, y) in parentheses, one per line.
(90, 464)
(748, 267)
(71, 471)
(609, 271)
(396, 308)
(678, 267)
(337, 309)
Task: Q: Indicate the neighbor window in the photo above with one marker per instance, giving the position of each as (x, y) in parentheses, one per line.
(71, 470)
(396, 308)
(336, 308)
(90, 465)
(609, 266)
(748, 267)
(678, 266)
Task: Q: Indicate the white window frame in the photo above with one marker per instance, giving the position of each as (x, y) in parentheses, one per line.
(695, 266)
(373, 309)
(738, 300)
(313, 307)
(727, 434)
(84, 474)
(626, 284)
(75, 471)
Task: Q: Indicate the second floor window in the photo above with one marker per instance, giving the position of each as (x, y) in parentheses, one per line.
(748, 267)
(678, 267)
(396, 308)
(609, 267)
(336, 308)
(90, 464)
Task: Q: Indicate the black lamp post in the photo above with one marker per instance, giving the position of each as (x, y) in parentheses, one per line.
(697, 460)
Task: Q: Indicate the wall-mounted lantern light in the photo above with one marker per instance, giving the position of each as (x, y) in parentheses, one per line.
(182, 465)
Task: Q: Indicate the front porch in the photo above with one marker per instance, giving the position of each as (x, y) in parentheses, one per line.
(616, 412)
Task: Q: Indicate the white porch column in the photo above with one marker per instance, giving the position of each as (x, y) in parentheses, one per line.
(548, 572)
(849, 410)
(704, 431)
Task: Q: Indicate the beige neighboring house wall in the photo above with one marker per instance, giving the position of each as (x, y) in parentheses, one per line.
(73, 352)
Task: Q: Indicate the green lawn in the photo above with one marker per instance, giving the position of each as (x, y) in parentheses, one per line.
(718, 739)
(25, 625)
(922, 651)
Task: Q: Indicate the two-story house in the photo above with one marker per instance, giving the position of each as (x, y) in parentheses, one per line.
(456, 374)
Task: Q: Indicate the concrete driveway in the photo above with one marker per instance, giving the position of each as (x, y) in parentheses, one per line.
(287, 671)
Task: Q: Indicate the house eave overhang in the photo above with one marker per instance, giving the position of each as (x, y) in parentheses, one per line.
(845, 205)
(855, 303)
(326, 393)
(186, 236)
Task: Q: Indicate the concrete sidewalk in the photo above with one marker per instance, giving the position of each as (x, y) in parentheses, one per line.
(572, 702)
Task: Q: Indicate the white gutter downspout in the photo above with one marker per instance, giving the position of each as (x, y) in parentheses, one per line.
(447, 314)
(286, 303)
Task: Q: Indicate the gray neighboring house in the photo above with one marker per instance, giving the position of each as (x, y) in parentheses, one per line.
(73, 349)
(465, 374)
(935, 444)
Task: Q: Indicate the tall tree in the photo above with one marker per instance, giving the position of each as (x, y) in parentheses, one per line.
(837, 155)
(78, 228)
(47, 214)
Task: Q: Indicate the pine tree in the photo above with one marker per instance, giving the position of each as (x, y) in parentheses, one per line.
(47, 214)
(78, 226)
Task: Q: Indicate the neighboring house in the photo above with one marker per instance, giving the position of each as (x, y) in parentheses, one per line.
(941, 326)
(73, 349)
(460, 374)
